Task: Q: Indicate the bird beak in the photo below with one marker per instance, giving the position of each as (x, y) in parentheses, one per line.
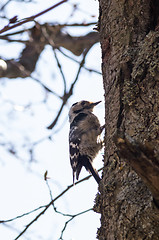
(93, 104)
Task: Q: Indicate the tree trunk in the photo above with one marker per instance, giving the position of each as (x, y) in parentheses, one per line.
(128, 198)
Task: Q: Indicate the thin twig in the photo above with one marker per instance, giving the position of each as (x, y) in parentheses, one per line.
(11, 227)
(2, 8)
(76, 24)
(80, 67)
(51, 42)
(76, 215)
(29, 19)
(14, 40)
(73, 59)
(46, 207)
(55, 25)
(61, 71)
(45, 87)
(72, 216)
(69, 93)
(22, 215)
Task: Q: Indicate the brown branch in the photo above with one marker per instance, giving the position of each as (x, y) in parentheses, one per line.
(143, 158)
(40, 35)
(58, 115)
(28, 19)
(77, 45)
(59, 26)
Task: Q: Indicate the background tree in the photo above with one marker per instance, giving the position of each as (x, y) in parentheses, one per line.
(130, 66)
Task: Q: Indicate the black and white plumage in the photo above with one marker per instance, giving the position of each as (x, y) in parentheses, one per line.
(84, 139)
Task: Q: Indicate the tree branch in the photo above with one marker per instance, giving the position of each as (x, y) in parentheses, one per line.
(143, 158)
(39, 36)
(69, 93)
(28, 19)
(46, 207)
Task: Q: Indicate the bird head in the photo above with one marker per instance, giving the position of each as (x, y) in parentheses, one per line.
(82, 106)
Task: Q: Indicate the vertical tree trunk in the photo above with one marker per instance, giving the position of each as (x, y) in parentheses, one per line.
(129, 33)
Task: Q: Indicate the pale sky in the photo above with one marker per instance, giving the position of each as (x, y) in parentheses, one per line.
(22, 182)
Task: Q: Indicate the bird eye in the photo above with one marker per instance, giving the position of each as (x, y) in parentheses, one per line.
(83, 103)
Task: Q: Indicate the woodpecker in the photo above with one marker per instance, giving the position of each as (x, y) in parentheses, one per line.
(84, 138)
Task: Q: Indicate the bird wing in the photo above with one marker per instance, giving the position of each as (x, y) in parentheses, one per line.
(74, 156)
(74, 143)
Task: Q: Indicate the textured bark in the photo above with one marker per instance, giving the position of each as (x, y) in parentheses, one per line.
(130, 64)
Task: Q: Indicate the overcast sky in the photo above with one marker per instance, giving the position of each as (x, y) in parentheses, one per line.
(22, 181)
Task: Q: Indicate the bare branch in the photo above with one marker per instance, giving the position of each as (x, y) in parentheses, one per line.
(40, 35)
(29, 19)
(2, 8)
(22, 215)
(76, 215)
(46, 207)
(67, 95)
(60, 69)
(45, 87)
(59, 26)
(73, 59)
(143, 158)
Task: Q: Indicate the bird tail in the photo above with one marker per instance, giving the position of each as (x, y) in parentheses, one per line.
(86, 162)
(79, 167)
(76, 172)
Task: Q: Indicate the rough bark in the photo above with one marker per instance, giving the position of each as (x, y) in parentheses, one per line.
(130, 65)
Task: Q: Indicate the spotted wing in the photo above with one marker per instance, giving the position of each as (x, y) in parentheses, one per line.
(74, 141)
(74, 155)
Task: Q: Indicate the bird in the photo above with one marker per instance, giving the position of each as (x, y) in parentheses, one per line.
(84, 138)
